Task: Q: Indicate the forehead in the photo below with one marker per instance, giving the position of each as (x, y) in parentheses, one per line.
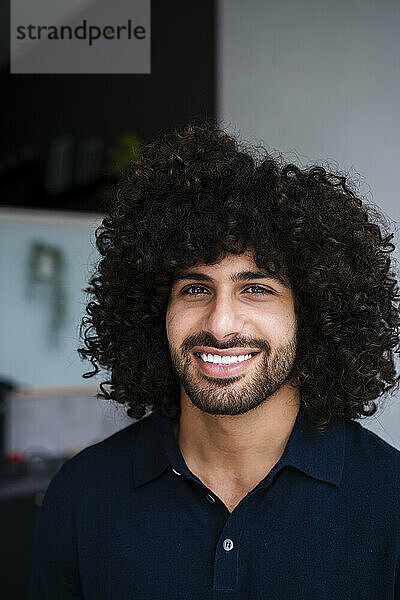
(231, 268)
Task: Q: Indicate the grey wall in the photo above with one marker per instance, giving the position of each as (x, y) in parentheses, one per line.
(27, 356)
(319, 81)
(49, 417)
(59, 425)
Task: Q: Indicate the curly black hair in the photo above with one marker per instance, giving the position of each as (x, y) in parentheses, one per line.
(198, 194)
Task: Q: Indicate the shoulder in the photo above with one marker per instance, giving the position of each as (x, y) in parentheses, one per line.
(366, 440)
(106, 460)
(371, 457)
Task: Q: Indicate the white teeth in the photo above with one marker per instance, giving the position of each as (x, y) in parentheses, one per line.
(224, 360)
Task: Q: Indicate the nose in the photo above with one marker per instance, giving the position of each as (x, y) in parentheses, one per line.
(223, 317)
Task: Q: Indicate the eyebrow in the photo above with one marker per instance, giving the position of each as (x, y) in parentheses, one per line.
(236, 277)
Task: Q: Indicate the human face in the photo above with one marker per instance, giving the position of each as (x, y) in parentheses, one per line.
(231, 308)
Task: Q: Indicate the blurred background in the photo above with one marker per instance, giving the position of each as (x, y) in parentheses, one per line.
(317, 80)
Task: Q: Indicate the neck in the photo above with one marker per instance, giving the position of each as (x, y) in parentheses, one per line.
(242, 448)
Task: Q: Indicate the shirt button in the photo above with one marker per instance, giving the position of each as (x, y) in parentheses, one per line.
(228, 545)
(210, 498)
(176, 472)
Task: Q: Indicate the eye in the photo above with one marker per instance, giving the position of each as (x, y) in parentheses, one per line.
(192, 287)
(191, 290)
(260, 289)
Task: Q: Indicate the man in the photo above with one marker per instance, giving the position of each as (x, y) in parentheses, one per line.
(251, 306)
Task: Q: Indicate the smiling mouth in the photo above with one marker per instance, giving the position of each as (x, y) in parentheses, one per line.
(222, 368)
(216, 359)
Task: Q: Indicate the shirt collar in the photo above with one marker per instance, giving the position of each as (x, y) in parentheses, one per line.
(318, 454)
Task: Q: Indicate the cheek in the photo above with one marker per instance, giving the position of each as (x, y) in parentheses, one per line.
(177, 326)
(170, 325)
(277, 325)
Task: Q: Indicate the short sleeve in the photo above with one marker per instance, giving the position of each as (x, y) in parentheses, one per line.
(55, 573)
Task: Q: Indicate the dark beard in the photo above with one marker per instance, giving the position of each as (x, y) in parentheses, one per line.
(226, 396)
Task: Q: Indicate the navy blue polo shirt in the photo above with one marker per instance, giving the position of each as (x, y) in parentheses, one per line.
(125, 519)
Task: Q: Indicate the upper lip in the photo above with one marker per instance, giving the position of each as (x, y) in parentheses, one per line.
(228, 352)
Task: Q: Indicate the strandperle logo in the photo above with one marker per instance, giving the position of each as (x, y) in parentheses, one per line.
(89, 33)
(80, 36)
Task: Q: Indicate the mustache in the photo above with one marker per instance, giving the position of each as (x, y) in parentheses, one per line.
(206, 339)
